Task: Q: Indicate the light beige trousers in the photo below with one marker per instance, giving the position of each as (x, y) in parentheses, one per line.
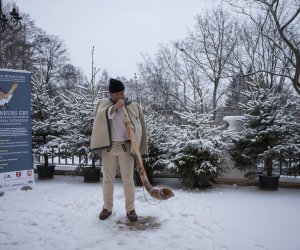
(119, 155)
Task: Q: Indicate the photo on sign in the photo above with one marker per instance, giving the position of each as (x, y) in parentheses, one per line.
(5, 97)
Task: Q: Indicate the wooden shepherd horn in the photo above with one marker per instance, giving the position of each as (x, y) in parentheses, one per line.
(159, 194)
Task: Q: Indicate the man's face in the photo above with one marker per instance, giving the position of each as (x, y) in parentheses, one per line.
(118, 95)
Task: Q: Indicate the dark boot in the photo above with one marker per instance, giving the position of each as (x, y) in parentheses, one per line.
(132, 216)
(104, 214)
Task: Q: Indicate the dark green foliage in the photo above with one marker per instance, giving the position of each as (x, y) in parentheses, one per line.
(268, 129)
(152, 163)
(196, 162)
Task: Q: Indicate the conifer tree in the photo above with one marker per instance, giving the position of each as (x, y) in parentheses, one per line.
(48, 122)
(195, 149)
(157, 137)
(234, 96)
(80, 106)
(268, 127)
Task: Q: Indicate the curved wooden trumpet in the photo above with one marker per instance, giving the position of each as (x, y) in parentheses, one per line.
(159, 194)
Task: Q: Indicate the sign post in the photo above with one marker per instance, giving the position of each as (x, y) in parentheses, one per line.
(16, 161)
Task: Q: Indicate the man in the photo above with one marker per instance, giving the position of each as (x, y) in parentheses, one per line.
(110, 138)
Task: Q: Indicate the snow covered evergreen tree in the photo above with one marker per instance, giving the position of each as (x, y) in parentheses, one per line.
(48, 122)
(195, 149)
(80, 106)
(288, 161)
(269, 128)
(234, 96)
(157, 137)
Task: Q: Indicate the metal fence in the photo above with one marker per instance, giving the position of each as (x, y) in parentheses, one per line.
(283, 165)
(65, 157)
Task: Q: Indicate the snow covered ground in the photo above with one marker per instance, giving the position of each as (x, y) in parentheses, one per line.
(63, 214)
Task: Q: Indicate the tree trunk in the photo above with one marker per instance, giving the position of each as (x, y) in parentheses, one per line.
(269, 165)
(46, 157)
(93, 161)
(216, 84)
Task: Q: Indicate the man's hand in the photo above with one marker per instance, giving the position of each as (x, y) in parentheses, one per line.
(119, 104)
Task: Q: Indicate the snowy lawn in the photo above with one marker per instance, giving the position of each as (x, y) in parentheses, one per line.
(63, 214)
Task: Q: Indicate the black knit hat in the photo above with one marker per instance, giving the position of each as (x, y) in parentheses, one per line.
(115, 86)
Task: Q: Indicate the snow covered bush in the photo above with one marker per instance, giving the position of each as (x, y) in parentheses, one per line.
(195, 149)
(197, 158)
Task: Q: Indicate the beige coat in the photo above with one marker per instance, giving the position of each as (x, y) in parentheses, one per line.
(101, 133)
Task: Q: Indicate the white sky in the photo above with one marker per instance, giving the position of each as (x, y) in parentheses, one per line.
(120, 30)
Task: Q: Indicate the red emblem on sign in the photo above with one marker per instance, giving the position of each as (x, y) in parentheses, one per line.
(18, 174)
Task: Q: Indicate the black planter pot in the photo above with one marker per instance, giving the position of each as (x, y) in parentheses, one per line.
(91, 175)
(138, 181)
(203, 181)
(45, 172)
(269, 182)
